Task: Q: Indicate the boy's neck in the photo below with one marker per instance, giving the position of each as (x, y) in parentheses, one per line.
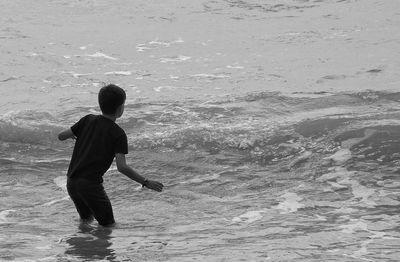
(111, 117)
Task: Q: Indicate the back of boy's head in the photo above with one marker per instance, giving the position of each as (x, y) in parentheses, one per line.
(110, 98)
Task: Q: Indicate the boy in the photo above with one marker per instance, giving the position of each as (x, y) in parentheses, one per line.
(98, 140)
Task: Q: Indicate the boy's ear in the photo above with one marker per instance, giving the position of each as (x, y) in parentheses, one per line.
(120, 110)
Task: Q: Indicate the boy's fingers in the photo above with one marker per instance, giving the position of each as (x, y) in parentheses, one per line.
(157, 186)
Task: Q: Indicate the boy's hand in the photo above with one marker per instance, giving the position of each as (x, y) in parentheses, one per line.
(154, 185)
(66, 134)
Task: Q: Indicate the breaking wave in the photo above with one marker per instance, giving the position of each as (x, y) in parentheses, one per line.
(264, 128)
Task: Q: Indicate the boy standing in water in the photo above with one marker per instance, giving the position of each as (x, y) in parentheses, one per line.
(98, 140)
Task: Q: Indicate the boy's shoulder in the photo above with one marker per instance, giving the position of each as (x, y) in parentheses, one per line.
(98, 125)
(99, 120)
(86, 117)
(105, 122)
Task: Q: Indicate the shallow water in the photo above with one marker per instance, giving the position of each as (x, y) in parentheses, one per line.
(274, 126)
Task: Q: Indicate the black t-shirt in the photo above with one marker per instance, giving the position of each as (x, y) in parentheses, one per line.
(98, 139)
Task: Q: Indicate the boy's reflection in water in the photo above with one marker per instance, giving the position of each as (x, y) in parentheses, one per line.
(91, 243)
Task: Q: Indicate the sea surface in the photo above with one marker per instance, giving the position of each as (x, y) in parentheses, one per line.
(274, 126)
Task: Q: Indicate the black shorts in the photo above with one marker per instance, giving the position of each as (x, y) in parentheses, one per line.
(90, 200)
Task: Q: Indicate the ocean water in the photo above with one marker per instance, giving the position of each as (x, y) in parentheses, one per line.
(274, 126)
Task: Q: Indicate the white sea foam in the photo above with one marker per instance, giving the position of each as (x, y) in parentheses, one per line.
(32, 54)
(210, 76)
(159, 43)
(48, 259)
(156, 44)
(340, 156)
(343, 177)
(234, 67)
(249, 217)
(4, 214)
(174, 77)
(121, 73)
(360, 192)
(142, 47)
(50, 203)
(175, 59)
(344, 154)
(61, 182)
(159, 88)
(98, 55)
(291, 203)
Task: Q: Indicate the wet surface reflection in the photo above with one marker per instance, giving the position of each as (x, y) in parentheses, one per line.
(91, 243)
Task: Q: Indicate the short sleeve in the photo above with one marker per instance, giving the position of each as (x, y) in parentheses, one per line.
(78, 126)
(121, 145)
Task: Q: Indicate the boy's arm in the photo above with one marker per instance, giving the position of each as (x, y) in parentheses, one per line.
(66, 134)
(132, 174)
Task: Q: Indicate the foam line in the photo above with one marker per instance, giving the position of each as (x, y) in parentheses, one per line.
(101, 55)
(179, 58)
(55, 201)
(210, 76)
(122, 73)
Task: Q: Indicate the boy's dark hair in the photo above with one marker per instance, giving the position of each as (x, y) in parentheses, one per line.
(110, 98)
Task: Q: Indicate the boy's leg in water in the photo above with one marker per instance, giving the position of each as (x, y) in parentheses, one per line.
(99, 203)
(83, 209)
